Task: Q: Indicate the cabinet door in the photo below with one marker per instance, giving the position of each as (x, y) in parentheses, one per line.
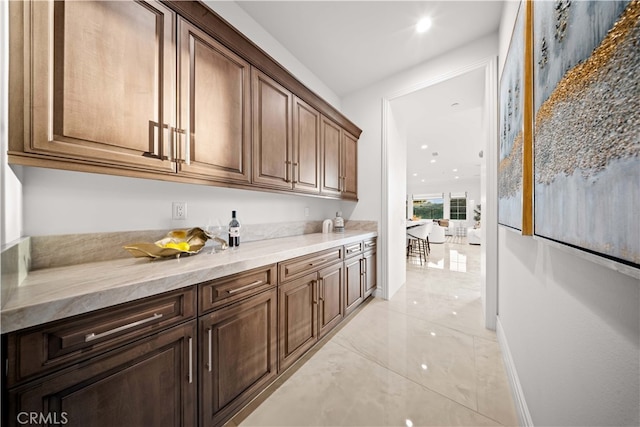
(103, 78)
(148, 383)
(237, 354)
(331, 176)
(298, 318)
(369, 263)
(354, 289)
(306, 147)
(349, 166)
(331, 291)
(214, 100)
(271, 132)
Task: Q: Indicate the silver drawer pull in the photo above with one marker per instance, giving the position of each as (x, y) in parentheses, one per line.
(320, 261)
(92, 336)
(209, 331)
(369, 244)
(256, 283)
(353, 248)
(190, 360)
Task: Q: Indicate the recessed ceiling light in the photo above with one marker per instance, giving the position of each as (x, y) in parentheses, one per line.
(457, 177)
(455, 170)
(424, 146)
(415, 174)
(433, 160)
(423, 24)
(422, 180)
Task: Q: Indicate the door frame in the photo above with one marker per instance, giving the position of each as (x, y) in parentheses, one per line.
(488, 184)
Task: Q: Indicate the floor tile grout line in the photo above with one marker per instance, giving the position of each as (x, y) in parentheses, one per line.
(437, 323)
(386, 368)
(366, 357)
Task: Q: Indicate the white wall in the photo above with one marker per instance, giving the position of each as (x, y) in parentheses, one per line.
(60, 202)
(572, 327)
(396, 272)
(243, 22)
(365, 109)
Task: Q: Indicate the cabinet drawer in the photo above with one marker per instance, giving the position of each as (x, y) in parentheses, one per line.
(36, 351)
(296, 267)
(352, 249)
(370, 245)
(226, 290)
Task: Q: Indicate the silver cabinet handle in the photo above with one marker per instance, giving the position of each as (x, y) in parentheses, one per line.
(320, 261)
(353, 247)
(190, 360)
(93, 336)
(314, 283)
(209, 333)
(370, 244)
(256, 283)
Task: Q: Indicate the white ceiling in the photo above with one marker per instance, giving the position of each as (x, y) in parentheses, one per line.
(351, 44)
(429, 117)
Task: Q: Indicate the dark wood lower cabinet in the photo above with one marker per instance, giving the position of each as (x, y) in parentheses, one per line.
(156, 362)
(354, 287)
(238, 355)
(148, 383)
(298, 316)
(370, 265)
(330, 308)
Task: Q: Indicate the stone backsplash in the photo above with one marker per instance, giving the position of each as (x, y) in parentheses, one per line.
(72, 249)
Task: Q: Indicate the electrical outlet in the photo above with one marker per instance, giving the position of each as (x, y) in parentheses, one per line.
(179, 210)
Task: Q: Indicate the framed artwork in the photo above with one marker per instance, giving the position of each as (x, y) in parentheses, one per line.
(587, 126)
(515, 162)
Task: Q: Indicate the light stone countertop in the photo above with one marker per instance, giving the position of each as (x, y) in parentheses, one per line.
(56, 293)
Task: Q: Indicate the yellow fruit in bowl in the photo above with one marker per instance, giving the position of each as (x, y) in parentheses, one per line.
(182, 246)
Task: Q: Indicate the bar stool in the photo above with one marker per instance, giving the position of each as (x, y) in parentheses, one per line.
(418, 240)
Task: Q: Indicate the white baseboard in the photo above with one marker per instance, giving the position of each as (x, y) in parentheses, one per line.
(524, 417)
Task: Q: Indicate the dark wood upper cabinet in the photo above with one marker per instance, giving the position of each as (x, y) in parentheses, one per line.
(349, 166)
(339, 161)
(306, 147)
(214, 137)
(102, 82)
(167, 90)
(272, 132)
(331, 158)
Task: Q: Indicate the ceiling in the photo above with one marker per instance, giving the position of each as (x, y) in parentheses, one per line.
(350, 45)
(447, 117)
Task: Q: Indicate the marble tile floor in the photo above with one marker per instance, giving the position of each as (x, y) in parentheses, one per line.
(422, 358)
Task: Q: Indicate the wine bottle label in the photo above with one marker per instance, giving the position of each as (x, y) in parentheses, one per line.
(234, 231)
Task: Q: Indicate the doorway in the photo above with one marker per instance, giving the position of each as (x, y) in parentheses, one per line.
(394, 172)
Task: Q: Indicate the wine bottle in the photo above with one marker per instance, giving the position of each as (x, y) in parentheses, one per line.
(234, 231)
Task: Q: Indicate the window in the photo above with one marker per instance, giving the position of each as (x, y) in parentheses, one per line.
(458, 208)
(428, 208)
